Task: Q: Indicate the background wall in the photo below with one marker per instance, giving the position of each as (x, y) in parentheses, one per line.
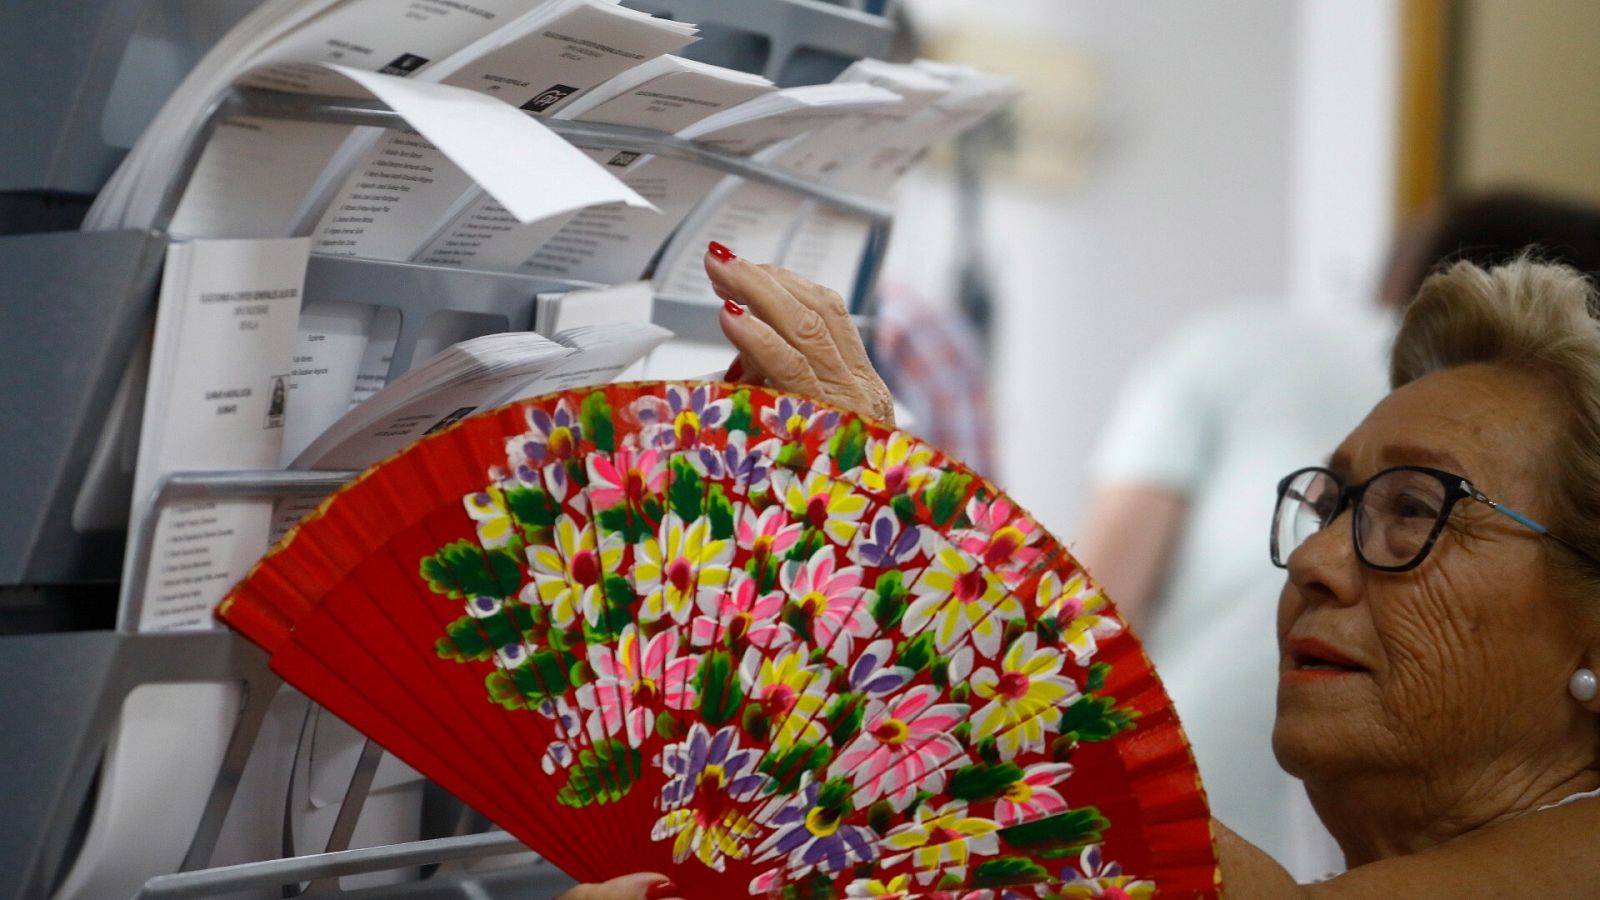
(1241, 152)
(1527, 113)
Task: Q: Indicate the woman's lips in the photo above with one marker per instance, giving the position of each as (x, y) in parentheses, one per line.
(1311, 657)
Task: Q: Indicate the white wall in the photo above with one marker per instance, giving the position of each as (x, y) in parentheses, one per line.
(1208, 147)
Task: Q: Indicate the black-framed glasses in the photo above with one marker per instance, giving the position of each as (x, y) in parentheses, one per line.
(1399, 513)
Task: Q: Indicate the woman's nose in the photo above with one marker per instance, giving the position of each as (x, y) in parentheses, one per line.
(1325, 566)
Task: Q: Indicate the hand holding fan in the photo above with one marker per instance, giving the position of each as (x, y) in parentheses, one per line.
(767, 647)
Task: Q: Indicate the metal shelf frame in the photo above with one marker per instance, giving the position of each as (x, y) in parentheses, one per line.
(83, 705)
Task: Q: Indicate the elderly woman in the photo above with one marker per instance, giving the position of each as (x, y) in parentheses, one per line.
(1439, 630)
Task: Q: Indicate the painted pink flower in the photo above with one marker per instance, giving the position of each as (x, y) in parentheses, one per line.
(1001, 538)
(741, 614)
(767, 533)
(635, 679)
(831, 602)
(904, 742)
(627, 475)
(1034, 796)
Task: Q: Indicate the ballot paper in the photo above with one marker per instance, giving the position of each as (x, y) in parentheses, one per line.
(329, 349)
(400, 187)
(667, 94)
(478, 374)
(216, 399)
(610, 244)
(755, 217)
(287, 157)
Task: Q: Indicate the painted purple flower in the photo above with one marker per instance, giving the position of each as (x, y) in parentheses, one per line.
(871, 674)
(553, 436)
(749, 468)
(706, 767)
(812, 835)
(678, 420)
(793, 418)
(887, 545)
(711, 779)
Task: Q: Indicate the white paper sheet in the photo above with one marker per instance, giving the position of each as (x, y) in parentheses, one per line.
(217, 398)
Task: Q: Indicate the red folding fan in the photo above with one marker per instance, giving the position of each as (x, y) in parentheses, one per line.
(736, 636)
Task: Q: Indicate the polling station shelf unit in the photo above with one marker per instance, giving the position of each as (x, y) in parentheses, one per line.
(77, 304)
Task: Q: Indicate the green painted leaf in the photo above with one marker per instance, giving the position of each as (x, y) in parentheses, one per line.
(1008, 870)
(1096, 678)
(719, 688)
(917, 653)
(981, 781)
(741, 417)
(945, 497)
(889, 602)
(458, 571)
(904, 508)
(756, 723)
(619, 592)
(624, 520)
(792, 456)
(686, 492)
(463, 640)
(835, 794)
(1071, 829)
(719, 509)
(602, 774)
(844, 715)
(787, 768)
(594, 417)
(811, 540)
(1092, 718)
(504, 691)
(532, 507)
(765, 571)
(848, 446)
(880, 817)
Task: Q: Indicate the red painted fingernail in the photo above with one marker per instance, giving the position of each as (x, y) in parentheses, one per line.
(660, 890)
(732, 307)
(736, 370)
(720, 252)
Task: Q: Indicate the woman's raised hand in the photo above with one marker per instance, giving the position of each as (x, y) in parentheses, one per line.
(638, 886)
(794, 335)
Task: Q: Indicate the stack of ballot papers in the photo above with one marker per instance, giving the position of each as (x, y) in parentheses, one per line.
(478, 374)
(865, 153)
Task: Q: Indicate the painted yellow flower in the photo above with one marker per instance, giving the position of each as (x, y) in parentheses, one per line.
(1080, 610)
(676, 565)
(789, 690)
(568, 574)
(488, 509)
(955, 597)
(899, 465)
(831, 506)
(709, 840)
(945, 834)
(1026, 693)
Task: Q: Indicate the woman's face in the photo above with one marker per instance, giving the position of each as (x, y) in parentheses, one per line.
(1461, 662)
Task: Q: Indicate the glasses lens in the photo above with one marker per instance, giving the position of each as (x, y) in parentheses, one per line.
(1310, 500)
(1398, 513)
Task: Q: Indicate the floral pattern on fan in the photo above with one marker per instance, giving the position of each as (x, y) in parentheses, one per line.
(827, 652)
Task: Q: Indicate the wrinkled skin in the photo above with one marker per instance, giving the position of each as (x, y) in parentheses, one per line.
(1463, 718)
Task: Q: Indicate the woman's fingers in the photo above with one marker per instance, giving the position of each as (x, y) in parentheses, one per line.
(795, 322)
(827, 303)
(764, 351)
(638, 886)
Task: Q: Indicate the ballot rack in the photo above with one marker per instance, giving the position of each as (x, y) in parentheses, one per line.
(76, 303)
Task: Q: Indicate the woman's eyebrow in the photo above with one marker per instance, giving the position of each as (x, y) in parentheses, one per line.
(1415, 454)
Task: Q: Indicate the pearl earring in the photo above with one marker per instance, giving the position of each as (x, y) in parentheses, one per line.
(1583, 685)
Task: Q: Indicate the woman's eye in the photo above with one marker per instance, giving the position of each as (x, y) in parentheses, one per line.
(1410, 506)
